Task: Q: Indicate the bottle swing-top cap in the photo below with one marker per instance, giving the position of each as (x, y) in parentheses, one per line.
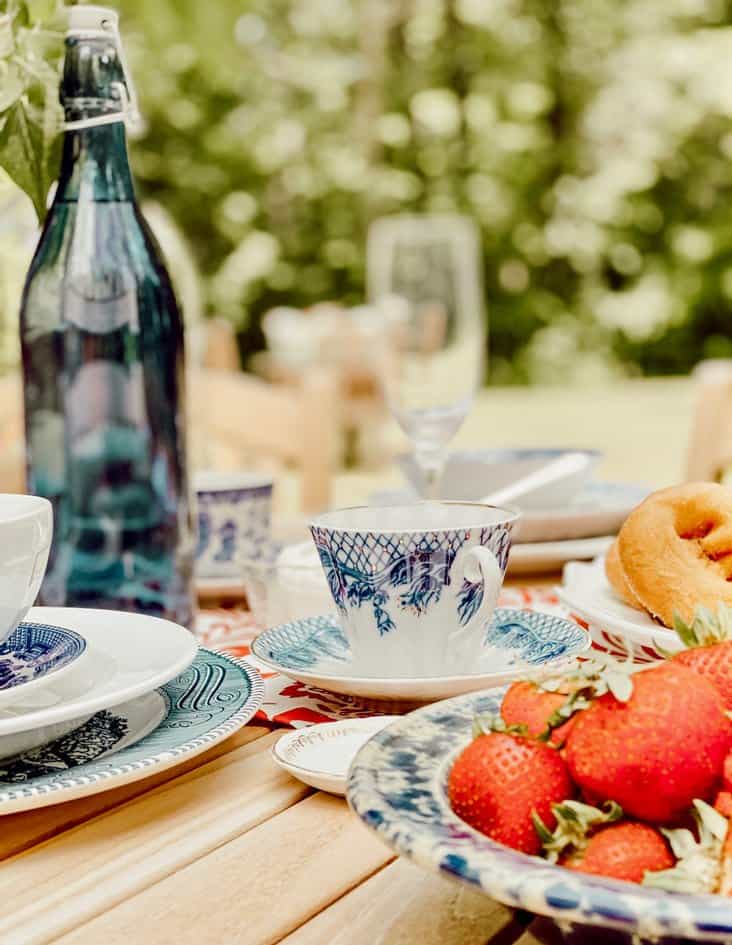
(90, 22)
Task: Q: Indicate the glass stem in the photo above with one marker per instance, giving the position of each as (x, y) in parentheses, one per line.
(432, 465)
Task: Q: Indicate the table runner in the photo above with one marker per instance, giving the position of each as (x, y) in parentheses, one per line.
(296, 704)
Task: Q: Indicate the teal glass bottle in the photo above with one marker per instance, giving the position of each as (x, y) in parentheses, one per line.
(103, 363)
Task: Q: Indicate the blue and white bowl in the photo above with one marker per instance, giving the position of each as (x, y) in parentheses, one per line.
(471, 474)
(398, 786)
(234, 516)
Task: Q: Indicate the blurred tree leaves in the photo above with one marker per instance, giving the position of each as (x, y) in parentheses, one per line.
(30, 115)
(590, 139)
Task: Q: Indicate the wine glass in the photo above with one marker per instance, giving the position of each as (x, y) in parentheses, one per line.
(424, 272)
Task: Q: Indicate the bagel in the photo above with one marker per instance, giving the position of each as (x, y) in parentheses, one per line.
(675, 551)
(615, 575)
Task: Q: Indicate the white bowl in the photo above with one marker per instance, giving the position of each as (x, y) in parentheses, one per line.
(471, 474)
(26, 528)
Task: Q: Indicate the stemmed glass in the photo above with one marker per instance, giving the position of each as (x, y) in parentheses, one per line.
(424, 271)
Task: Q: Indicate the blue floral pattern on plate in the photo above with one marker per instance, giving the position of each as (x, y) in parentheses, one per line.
(213, 698)
(34, 650)
(397, 785)
(524, 636)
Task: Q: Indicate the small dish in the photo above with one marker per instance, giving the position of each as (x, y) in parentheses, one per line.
(517, 643)
(614, 626)
(321, 755)
(33, 654)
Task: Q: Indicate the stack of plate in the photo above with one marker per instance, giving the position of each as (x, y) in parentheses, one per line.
(92, 699)
(572, 519)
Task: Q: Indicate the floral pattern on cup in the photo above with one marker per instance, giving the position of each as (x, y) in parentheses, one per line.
(417, 573)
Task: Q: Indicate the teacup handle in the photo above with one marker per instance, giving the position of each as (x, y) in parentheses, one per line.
(481, 581)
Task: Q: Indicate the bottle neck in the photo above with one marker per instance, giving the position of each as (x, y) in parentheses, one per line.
(94, 165)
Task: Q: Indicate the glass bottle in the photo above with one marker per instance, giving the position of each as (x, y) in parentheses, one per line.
(103, 362)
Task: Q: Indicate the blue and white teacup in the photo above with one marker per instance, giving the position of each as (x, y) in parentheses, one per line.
(234, 516)
(415, 585)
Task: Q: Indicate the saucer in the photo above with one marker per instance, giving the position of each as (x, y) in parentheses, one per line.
(127, 655)
(518, 643)
(34, 653)
(615, 626)
(202, 706)
(321, 755)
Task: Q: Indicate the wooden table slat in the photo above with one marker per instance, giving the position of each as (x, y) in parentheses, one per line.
(254, 890)
(70, 879)
(403, 905)
(19, 832)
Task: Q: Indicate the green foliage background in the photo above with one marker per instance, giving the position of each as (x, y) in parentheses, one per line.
(591, 140)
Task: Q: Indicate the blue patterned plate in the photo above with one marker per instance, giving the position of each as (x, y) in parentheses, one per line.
(33, 653)
(208, 702)
(397, 785)
(518, 643)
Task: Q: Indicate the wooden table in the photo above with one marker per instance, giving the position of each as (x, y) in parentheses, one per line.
(226, 849)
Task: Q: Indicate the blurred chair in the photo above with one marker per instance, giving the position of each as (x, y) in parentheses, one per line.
(12, 458)
(242, 421)
(709, 454)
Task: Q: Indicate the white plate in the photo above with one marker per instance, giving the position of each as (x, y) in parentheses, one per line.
(518, 643)
(321, 755)
(614, 625)
(540, 557)
(128, 655)
(600, 509)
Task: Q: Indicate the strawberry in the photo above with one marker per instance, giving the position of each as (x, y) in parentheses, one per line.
(627, 850)
(658, 750)
(500, 779)
(727, 773)
(709, 648)
(596, 840)
(527, 704)
(547, 709)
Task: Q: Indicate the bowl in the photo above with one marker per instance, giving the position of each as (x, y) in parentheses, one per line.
(471, 474)
(26, 529)
(285, 582)
(397, 786)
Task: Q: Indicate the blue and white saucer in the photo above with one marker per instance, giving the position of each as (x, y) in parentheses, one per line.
(34, 653)
(397, 786)
(206, 703)
(518, 643)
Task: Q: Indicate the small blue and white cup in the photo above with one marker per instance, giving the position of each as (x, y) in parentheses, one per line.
(234, 518)
(415, 585)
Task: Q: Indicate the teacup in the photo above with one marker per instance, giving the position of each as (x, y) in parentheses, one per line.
(415, 585)
(234, 513)
(26, 529)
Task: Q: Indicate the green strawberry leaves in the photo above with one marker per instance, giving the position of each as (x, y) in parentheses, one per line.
(575, 823)
(706, 627)
(699, 864)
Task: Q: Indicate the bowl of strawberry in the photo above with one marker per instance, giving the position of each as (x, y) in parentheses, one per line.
(602, 798)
